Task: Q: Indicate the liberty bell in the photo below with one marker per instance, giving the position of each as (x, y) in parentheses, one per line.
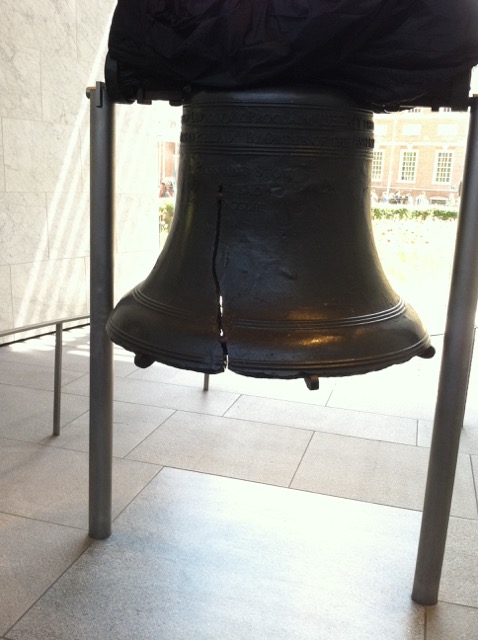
(270, 267)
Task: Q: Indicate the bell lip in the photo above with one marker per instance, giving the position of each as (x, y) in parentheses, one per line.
(332, 368)
(205, 362)
(283, 370)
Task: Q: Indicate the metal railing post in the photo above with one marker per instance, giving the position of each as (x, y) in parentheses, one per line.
(57, 378)
(102, 137)
(453, 382)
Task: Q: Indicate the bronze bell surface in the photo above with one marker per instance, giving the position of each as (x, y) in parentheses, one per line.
(270, 267)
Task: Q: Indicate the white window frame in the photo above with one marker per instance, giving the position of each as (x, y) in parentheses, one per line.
(403, 152)
(376, 154)
(435, 168)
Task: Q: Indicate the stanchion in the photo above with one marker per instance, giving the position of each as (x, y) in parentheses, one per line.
(453, 382)
(57, 379)
(101, 303)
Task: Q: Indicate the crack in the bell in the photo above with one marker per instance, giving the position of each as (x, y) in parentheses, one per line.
(215, 275)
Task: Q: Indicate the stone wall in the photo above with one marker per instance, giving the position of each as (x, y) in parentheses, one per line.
(50, 51)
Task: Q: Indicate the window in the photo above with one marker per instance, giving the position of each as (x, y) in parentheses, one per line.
(443, 163)
(377, 165)
(408, 166)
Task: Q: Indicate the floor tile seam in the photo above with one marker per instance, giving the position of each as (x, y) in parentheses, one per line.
(357, 500)
(70, 527)
(26, 387)
(327, 406)
(51, 368)
(31, 442)
(44, 444)
(138, 493)
(375, 413)
(70, 422)
(301, 460)
(466, 518)
(382, 504)
(89, 543)
(138, 444)
(302, 490)
(235, 419)
(227, 477)
(85, 452)
(43, 389)
(367, 438)
(475, 483)
(129, 375)
(454, 604)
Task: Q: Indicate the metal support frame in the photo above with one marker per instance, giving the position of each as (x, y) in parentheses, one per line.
(102, 188)
(453, 382)
(455, 366)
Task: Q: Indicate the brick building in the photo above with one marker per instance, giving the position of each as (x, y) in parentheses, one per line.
(419, 153)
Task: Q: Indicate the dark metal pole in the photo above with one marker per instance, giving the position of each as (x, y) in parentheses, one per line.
(57, 378)
(101, 303)
(453, 382)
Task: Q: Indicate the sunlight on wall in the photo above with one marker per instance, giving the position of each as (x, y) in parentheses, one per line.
(58, 286)
(52, 284)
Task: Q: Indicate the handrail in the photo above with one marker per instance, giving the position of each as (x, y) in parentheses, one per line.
(41, 325)
(58, 324)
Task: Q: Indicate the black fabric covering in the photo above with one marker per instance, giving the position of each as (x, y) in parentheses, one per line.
(382, 52)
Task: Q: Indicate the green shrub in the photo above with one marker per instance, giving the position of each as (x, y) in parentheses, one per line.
(402, 213)
(166, 213)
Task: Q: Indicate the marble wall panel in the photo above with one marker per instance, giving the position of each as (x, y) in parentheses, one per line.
(23, 228)
(63, 92)
(2, 161)
(40, 156)
(68, 215)
(49, 25)
(6, 308)
(50, 51)
(94, 21)
(20, 82)
(48, 290)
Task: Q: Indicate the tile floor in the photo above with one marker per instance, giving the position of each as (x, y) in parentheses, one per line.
(257, 510)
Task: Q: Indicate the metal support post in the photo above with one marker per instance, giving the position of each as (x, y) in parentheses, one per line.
(453, 382)
(102, 139)
(57, 378)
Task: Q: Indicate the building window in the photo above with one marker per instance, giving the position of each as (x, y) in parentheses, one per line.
(443, 163)
(377, 165)
(408, 166)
